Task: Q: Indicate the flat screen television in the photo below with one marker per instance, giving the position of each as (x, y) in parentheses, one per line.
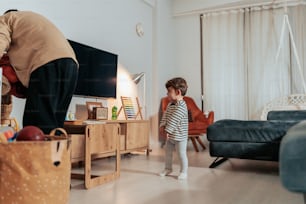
(97, 71)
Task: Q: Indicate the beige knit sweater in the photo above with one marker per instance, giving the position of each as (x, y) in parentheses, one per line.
(31, 41)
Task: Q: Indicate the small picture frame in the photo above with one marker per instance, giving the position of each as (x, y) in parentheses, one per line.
(100, 113)
(90, 108)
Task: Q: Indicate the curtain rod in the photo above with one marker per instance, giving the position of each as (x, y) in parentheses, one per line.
(239, 5)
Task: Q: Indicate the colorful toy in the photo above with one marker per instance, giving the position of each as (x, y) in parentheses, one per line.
(7, 134)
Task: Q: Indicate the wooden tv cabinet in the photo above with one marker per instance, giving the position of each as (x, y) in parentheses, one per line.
(90, 140)
(133, 134)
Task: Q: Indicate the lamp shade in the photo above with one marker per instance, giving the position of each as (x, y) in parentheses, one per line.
(136, 77)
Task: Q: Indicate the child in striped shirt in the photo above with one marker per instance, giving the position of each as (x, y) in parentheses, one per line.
(174, 125)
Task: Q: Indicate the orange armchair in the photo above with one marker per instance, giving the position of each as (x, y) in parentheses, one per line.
(198, 122)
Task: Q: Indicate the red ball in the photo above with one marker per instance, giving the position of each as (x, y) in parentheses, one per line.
(30, 133)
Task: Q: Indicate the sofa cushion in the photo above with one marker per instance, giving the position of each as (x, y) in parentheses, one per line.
(245, 150)
(248, 131)
(297, 115)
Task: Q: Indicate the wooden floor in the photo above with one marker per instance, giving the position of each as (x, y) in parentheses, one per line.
(234, 182)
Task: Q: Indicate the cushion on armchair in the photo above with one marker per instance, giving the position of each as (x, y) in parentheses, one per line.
(197, 127)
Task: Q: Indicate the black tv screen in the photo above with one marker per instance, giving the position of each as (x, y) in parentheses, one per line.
(97, 71)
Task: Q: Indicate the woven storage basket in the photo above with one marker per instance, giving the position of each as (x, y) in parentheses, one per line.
(35, 172)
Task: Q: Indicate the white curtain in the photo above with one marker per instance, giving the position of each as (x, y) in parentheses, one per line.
(224, 84)
(267, 77)
(297, 19)
(241, 72)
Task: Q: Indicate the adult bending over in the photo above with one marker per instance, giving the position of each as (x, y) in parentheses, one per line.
(45, 66)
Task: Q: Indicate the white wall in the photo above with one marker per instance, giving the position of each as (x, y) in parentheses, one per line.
(165, 45)
(163, 56)
(187, 59)
(105, 24)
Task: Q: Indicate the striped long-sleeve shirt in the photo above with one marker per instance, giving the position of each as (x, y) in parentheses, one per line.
(175, 120)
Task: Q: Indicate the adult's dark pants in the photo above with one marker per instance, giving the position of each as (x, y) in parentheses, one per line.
(49, 94)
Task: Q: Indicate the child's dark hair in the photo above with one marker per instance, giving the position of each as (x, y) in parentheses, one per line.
(10, 10)
(178, 83)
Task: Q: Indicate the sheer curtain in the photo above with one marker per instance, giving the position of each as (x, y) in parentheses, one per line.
(224, 83)
(267, 77)
(297, 19)
(241, 72)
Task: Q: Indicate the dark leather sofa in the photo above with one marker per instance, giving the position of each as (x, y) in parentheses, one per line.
(292, 159)
(258, 140)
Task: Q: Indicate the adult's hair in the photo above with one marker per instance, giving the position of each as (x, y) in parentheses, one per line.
(178, 83)
(10, 10)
